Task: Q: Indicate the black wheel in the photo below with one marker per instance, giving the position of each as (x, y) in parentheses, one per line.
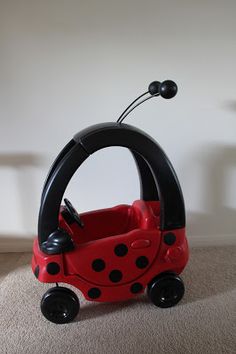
(166, 290)
(60, 305)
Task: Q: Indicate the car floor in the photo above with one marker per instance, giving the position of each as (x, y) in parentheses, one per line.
(203, 322)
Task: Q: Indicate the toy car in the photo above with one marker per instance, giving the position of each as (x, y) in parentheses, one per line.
(112, 254)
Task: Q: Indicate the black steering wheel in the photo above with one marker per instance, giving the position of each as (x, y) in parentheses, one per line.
(73, 213)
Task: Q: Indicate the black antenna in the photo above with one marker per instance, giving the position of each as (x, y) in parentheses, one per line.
(125, 115)
(167, 89)
(131, 104)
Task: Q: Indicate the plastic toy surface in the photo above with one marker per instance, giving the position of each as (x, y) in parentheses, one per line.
(112, 254)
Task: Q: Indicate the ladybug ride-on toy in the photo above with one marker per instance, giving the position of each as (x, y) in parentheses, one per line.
(116, 253)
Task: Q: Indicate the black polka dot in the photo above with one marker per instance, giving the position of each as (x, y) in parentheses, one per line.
(98, 265)
(169, 238)
(142, 262)
(53, 268)
(94, 293)
(36, 271)
(136, 288)
(115, 276)
(121, 250)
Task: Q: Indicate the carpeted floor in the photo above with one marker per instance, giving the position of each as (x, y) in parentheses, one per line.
(204, 322)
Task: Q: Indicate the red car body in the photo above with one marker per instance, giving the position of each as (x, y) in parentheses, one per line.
(117, 253)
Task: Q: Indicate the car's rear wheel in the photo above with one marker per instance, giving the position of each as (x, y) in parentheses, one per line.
(166, 290)
(60, 305)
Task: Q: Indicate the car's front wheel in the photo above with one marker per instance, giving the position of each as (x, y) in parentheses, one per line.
(60, 305)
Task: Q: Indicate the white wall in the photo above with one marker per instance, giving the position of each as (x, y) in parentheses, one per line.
(65, 65)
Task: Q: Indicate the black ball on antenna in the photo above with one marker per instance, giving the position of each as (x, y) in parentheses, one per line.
(154, 87)
(168, 89)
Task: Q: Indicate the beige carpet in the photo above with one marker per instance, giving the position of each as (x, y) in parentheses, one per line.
(204, 322)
